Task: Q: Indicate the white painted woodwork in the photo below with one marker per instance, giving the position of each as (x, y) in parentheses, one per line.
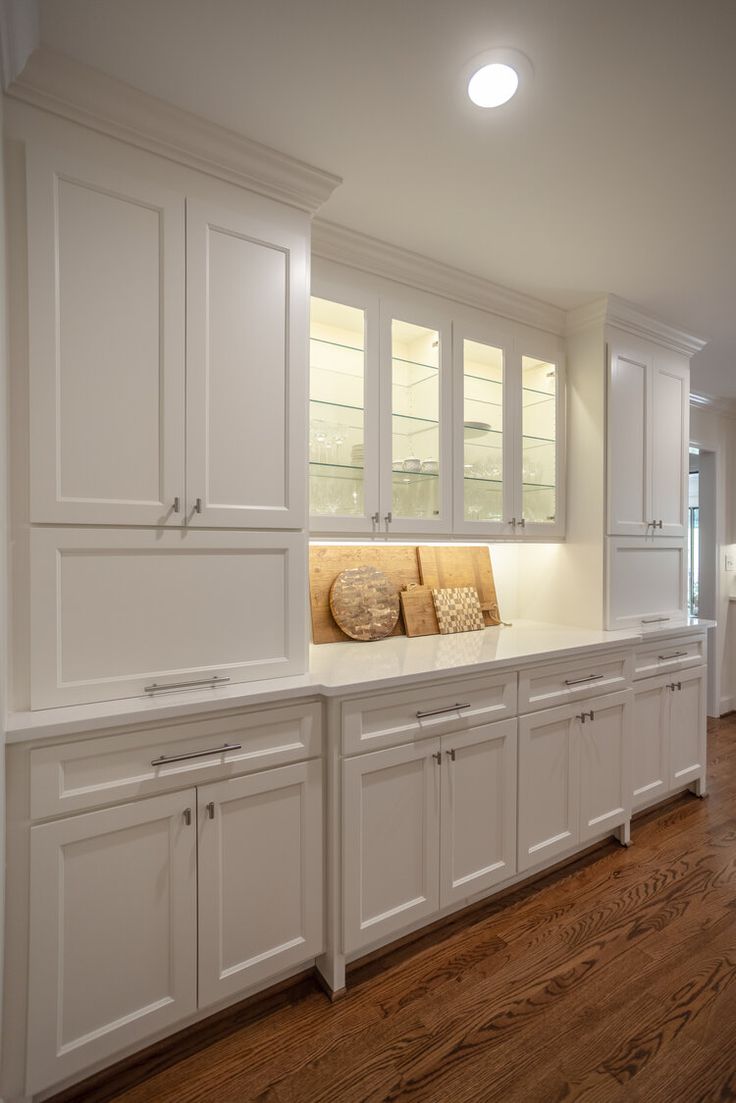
(106, 343)
(646, 581)
(113, 932)
(651, 742)
(687, 727)
(605, 765)
(538, 346)
(542, 687)
(669, 655)
(388, 719)
(390, 852)
(670, 441)
(629, 442)
(549, 785)
(246, 369)
(74, 777)
(478, 810)
(260, 877)
(114, 610)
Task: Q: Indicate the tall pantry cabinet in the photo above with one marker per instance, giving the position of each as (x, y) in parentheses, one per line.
(167, 335)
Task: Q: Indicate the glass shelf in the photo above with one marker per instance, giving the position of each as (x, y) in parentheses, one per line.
(408, 476)
(336, 345)
(425, 421)
(482, 479)
(320, 470)
(539, 442)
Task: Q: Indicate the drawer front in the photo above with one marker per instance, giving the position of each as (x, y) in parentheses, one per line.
(658, 658)
(72, 777)
(544, 687)
(390, 719)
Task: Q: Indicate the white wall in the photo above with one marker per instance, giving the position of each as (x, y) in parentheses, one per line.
(716, 432)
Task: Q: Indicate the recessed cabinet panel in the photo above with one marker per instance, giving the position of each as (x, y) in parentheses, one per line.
(687, 727)
(629, 444)
(650, 744)
(246, 370)
(113, 934)
(646, 581)
(671, 398)
(390, 841)
(605, 765)
(114, 610)
(549, 800)
(260, 877)
(106, 344)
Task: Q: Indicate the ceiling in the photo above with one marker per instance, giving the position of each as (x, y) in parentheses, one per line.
(614, 171)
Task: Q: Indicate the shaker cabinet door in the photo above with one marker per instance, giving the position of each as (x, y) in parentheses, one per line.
(605, 764)
(113, 932)
(246, 367)
(650, 742)
(106, 279)
(549, 772)
(670, 410)
(687, 727)
(629, 442)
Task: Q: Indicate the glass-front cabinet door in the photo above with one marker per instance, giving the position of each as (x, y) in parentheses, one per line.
(415, 428)
(483, 453)
(343, 415)
(542, 440)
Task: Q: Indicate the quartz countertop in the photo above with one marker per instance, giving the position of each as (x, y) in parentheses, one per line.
(338, 669)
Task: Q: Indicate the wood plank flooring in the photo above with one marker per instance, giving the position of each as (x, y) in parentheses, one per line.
(613, 979)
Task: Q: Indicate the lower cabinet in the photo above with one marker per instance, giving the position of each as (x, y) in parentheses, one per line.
(669, 744)
(424, 826)
(133, 906)
(574, 775)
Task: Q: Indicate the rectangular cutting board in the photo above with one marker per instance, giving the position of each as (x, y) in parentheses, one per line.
(442, 568)
(326, 563)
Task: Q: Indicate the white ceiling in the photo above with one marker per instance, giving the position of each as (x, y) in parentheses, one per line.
(614, 171)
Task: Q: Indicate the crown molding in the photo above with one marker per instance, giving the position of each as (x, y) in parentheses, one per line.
(19, 37)
(726, 407)
(356, 250)
(614, 311)
(65, 87)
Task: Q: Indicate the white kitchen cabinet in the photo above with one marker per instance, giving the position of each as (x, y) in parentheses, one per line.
(648, 405)
(478, 810)
(246, 373)
(574, 775)
(669, 749)
(390, 852)
(106, 276)
(646, 581)
(113, 932)
(167, 376)
(114, 611)
(260, 877)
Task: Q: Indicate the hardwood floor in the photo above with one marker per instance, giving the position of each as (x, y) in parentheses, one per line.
(613, 979)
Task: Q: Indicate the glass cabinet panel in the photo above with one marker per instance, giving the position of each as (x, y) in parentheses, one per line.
(539, 440)
(483, 458)
(336, 409)
(415, 421)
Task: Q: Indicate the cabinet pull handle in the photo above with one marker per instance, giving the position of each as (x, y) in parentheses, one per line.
(159, 687)
(375, 519)
(451, 754)
(674, 655)
(164, 760)
(581, 681)
(437, 756)
(211, 810)
(512, 522)
(177, 504)
(438, 712)
(654, 620)
(388, 519)
(522, 523)
(583, 716)
(197, 505)
(188, 816)
(679, 685)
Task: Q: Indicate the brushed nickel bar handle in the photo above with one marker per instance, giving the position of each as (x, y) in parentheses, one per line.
(439, 712)
(198, 505)
(159, 687)
(654, 620)
(164, 760)
(177, 504)
(581, 681)
(675, 655)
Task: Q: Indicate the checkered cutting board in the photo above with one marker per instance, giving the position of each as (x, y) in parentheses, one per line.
(458, 610)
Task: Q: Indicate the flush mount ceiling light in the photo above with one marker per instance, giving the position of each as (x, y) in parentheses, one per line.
(495, 76)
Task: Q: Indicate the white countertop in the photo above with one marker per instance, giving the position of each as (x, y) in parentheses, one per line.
(339, 669)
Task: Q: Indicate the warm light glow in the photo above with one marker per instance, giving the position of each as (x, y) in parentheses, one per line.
(493, 85)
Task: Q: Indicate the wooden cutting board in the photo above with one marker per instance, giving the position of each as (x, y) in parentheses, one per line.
(447, 568)
(326, 563)
(364, 603)
(417, 608)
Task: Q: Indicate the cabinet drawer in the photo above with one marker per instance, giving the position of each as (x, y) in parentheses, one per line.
(543, 687)
(71, 777)
(658, 658)
(389, 719)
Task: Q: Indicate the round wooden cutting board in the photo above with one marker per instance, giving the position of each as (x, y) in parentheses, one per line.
(364, 603)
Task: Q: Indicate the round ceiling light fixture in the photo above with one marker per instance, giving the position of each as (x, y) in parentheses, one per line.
(494, 77)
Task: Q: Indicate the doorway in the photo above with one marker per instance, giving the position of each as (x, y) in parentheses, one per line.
(702, 543)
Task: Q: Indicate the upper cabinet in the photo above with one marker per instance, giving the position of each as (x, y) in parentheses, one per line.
(425, 422)
(167, 348)
(648, 405)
